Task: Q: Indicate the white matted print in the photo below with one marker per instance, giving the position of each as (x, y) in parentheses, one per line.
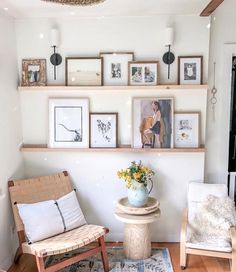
(103, 129)
(187, 129)
(68, 122)
(152, 122)
(115, 67)
(190, 70)
(143, 73)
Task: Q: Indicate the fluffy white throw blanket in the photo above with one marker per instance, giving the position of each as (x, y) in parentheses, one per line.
(212, 222)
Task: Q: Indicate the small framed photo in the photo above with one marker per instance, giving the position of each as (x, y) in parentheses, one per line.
(187, 129)
(82, 71)
(68, 123)
(190, 70)
(115, 67)
(104, 130)
(143, 73)
(34, 72)
(153, 122)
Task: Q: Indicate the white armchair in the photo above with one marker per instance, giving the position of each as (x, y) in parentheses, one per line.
(198, 193)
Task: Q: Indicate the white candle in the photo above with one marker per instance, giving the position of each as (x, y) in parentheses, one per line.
(55, 39)
(169, 36)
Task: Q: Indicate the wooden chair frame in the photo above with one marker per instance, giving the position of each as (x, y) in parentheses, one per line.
(185, 251)
(101, 248)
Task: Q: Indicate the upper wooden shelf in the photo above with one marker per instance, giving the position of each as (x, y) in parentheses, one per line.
(92, 88)
(124, 149)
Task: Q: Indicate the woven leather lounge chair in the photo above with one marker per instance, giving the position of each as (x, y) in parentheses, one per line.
(46, 188)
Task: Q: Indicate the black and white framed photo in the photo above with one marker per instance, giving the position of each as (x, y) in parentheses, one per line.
(104, 130)
(190, 69)
(68, 122)
(143, 73)
(187, 129)
(84, 71)
(115, 67)
(152, 122)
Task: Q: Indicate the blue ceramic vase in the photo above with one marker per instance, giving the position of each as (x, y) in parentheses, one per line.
(138, 194)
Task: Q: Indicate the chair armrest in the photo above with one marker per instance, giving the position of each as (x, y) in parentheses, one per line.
(184, 224)
(233, 237)
(233, 240)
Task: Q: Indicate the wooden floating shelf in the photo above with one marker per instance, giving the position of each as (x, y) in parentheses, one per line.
(109, 88)
(124, 149)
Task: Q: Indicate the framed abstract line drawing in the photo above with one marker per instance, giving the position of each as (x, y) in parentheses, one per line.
(152, 122)
(68, 122)
(190, 70)
(104, 130)
(187, 128)
(115, 67)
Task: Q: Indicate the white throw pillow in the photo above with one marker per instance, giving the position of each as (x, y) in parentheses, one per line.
(41, 220)
(70, 209)
(49, 218)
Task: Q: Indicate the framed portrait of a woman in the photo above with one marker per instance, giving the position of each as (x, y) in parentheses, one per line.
(152, 122)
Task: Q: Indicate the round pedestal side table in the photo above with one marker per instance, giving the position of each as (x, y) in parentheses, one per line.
(137, 235)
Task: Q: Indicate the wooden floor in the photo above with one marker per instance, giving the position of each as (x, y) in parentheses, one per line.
(195, 263)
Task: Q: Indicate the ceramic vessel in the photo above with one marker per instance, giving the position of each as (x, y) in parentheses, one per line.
(138, 194)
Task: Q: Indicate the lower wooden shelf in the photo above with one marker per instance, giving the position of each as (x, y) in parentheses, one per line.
(125, 148)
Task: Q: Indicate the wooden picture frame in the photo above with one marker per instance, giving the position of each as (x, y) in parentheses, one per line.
(187, 129)
(143, 73)
(92, 75)
(146, 133)
(68, 123)
(188, 70)
(34, 72)
(101, 134)
(115, 67)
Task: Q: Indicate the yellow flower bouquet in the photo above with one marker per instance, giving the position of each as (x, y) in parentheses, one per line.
(138, 172)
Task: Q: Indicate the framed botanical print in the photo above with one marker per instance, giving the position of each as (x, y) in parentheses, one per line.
(152, 122)
(82, 71)
(33, 72)
(187, 126)
(143, 73)
(115, 67)
(68, 122)
(104, 129)
(190, 69)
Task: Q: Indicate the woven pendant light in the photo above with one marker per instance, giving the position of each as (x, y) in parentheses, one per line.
(76, 2)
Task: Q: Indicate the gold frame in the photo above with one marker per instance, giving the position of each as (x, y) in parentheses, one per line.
(42, 72)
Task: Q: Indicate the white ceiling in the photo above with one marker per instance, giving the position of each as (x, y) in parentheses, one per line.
(38, 8)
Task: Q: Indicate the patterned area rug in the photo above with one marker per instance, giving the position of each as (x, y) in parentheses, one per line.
(159, 262)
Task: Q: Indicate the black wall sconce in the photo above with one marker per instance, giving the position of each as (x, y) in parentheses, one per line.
(168, 58)
(55, 58)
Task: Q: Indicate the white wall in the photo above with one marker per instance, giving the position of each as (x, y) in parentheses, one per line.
(94, 174)
(10, 136)
(223, 32)
(144, 36)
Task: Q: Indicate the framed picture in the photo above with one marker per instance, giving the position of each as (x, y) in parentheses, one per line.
(115, 67)
(143, 73)
(187, 126)
(152, 122)
(68, 122)
(190, 70)
(104, 129)
(81, 71)
(34, 72)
